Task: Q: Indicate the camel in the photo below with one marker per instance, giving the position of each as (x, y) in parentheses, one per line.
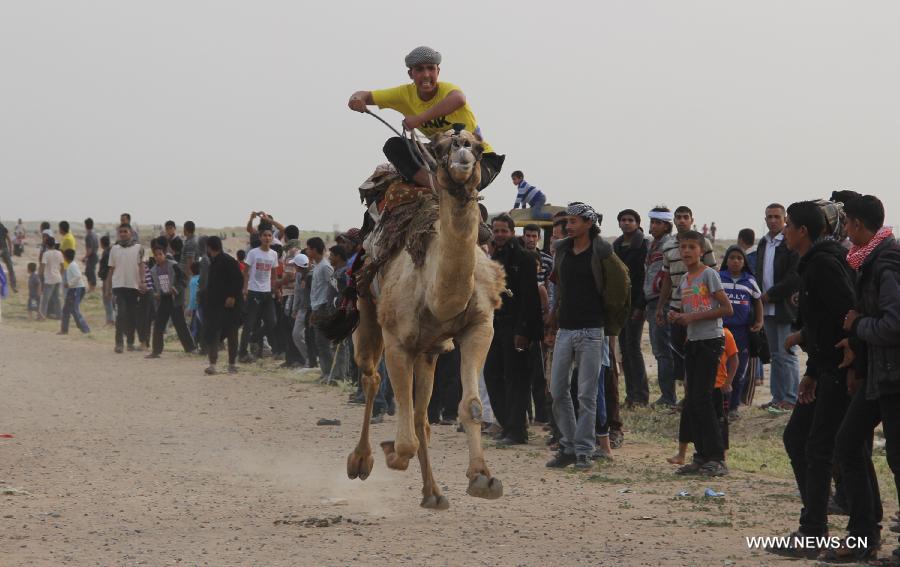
(417, 313)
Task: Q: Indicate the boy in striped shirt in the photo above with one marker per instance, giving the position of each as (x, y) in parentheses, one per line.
(529, 196)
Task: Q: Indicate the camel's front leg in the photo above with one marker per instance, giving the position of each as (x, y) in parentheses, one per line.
(473, 345)
(369, 347)
(400, 370)
(424, 382)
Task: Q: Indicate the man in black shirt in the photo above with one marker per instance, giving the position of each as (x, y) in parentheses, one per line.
(516, 325)
(631, 248)
(592, 295)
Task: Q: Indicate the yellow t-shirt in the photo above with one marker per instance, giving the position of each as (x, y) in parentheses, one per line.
(405, 100)
(65, 243)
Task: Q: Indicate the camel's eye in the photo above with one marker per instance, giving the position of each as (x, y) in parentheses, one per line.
(468, 144)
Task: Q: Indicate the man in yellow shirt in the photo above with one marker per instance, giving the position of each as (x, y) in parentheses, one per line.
(432, 107)
(66, 239)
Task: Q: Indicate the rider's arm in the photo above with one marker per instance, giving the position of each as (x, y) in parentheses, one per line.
(452, 102)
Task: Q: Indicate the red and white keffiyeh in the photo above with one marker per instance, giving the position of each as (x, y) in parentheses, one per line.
(858, 254)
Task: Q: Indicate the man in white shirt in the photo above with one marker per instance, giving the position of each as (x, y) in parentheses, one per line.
(259, 281)
(51, 271)
(125, 280)
(776, 272)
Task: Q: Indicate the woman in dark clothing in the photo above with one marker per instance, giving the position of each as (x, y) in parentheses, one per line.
(221, 302)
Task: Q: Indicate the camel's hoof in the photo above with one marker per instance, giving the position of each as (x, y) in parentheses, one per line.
(435, 502)
(484, 487)
(394, 461)
(360, 466)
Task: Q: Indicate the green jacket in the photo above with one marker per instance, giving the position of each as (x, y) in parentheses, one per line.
(611, 278)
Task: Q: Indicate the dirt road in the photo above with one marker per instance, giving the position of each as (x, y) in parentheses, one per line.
(125, 461)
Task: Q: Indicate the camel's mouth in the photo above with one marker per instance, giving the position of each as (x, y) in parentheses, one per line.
(462, 163)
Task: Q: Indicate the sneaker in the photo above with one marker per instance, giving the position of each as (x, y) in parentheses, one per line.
(561, 460)
(845, 553)
(616, 438)
(690, 468)
(788, 549)
(376, 419)
(152, 355)
(131, 348)
(232, 369)
(119, 349)
(211, 369)
(583, 463)
(733, 416)
(713, 468)
(245, 359)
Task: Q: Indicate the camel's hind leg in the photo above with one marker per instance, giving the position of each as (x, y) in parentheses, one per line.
(424, 381)
(473, 345)
(400, 370)
(369, 347)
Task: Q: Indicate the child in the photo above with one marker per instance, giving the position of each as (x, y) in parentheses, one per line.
(34, 290)
(529, 195)
(74, 286)
(168, 288)
(741, 288)
(728, 365)
(241, 257)
(704, 304)
(193, 303)
(109, 303)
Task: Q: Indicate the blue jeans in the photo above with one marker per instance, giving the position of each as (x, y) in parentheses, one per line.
(581, 347)
(742, 340)
(109, 307)
(537, 209)
(660, 340)
(784, 376)
(72, 307)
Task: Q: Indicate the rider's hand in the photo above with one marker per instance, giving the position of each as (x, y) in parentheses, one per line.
(357, 103)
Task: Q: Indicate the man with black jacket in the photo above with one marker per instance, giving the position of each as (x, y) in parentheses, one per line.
(826, 295)
(631, 248)
(222, 304)
(516, 325)
(873, 349)
(776, 272)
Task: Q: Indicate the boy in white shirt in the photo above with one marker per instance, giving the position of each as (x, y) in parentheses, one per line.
(51, 276)
(259, 280)
(74, 285)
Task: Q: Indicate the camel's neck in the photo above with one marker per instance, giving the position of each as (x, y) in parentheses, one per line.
(454, 258)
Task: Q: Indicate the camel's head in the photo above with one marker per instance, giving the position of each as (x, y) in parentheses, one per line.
(458, 154)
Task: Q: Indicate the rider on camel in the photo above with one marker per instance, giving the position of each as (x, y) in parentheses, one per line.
(433, 107)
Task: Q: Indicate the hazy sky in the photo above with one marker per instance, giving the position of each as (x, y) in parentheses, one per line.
(207, 110)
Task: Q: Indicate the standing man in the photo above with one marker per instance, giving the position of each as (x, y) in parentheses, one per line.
(222, 304)
(66, 238)
(6, 252)
(661, 225)
(125, 280)
(670, 289)
(874, 329)
(169, 284)
(433, 107)
(826, 296)
(259, 282)
(532, 235)
(321, 301)
(516, 325)
(592, 295)
(776, 272)
(190, 250)
(632, 248)
(50, 272)
(91, 253)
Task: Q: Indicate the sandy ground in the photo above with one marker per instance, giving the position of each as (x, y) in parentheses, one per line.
(134, 462)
